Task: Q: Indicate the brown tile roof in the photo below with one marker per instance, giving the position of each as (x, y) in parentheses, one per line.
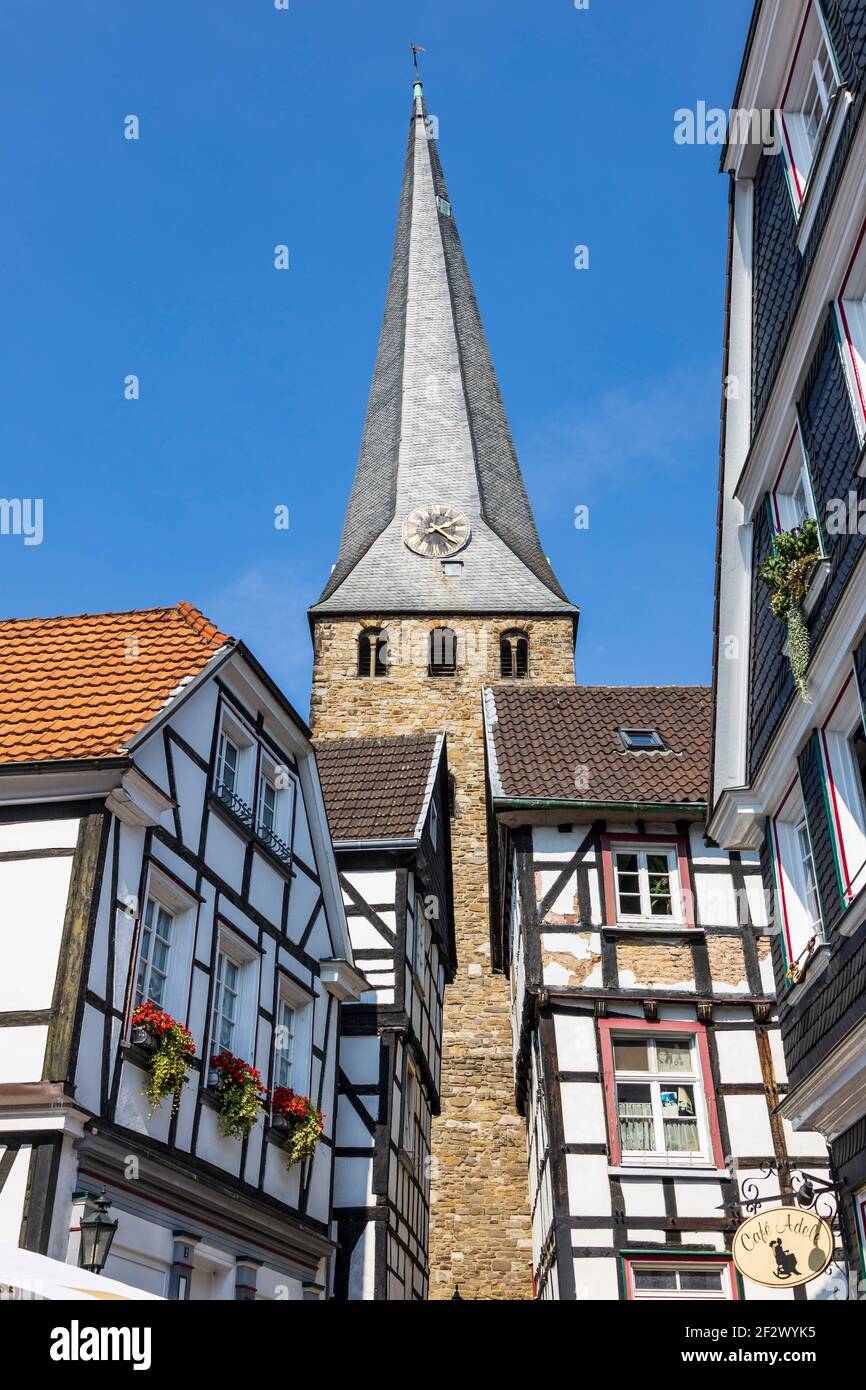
(81, 687)
(374, 787)
(544, 735)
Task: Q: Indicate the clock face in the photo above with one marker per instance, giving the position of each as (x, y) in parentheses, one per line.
(436, 530)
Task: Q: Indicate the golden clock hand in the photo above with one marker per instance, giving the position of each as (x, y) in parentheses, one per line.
(431, 527)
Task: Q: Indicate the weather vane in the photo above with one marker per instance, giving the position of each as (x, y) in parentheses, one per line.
(416, 49)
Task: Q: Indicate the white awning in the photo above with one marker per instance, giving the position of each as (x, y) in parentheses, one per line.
(40, 1277)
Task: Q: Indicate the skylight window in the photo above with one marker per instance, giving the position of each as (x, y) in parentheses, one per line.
(640, 740)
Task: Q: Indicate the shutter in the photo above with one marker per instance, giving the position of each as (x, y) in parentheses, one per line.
(778, 951)
(820, 832)
(505, 657)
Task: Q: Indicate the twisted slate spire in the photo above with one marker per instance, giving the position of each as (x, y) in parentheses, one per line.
(436, 431)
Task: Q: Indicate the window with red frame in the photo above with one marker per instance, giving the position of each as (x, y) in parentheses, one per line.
(659, 1094)
(664, 1279)
(807, 101)
(646, 881)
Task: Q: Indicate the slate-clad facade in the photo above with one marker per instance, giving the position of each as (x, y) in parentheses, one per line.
(788, 774)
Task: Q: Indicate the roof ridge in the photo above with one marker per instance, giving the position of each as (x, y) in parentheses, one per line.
(208, 631)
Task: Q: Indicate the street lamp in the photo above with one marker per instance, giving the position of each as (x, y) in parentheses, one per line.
(97, 1233)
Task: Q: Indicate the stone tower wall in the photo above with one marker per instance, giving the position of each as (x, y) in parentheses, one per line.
(480, 1228)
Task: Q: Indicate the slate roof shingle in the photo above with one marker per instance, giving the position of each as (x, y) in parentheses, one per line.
(81, 687)
(374, 788)
(436, 430)
(544, 735)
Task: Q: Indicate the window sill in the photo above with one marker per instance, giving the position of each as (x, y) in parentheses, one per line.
(239, 824)
(821, 168)
(654, 1170)
(651, 929)
(816, 584)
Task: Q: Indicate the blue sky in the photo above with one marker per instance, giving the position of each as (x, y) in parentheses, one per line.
(261, 126)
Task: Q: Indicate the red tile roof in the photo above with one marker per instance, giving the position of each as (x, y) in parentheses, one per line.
(561, 742)
(374, 787)
(81, 687)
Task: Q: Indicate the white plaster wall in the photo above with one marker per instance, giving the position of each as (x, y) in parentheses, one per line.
(596, 1278)
(739, 1061)
(749, 1125)
(33, 896)
(576, 1048)
(22, 1052)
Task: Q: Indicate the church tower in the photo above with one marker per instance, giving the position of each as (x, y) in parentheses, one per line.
(440, 588)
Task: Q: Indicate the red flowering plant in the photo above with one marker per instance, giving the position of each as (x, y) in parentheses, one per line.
(240, 1094)
(300, 1120)
(171, 1054)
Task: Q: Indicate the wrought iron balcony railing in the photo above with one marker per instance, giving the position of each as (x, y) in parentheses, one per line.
(234, 803)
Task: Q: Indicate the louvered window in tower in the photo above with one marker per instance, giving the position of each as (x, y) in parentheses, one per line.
(514, 655)
(443, 652)
(373, 653)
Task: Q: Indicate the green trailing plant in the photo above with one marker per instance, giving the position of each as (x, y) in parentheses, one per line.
(171, 1057)
(240, 1094)
(301, 1122)
(786, 572)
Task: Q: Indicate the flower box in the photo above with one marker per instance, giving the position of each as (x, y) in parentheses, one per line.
(144, 1039)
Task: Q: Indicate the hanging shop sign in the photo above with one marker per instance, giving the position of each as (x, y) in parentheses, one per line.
(783, 1247)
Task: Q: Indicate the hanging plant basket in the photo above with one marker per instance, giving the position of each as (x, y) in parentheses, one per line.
(170, 1048)
(298, 1122)
(240, 1094)
(787, 573)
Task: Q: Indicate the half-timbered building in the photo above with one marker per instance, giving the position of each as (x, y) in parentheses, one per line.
(647, 1055)
(789, 765)
(163, 838)
(387, 801)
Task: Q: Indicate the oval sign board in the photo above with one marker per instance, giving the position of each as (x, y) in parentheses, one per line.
(783, 1246)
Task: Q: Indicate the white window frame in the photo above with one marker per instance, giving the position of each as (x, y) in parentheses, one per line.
(645, 915)
(726, 1293)
(423, 936)
(270, 773)
(656, 1080)
(290, 995)
(793, 477)
(434, 825)
(813, 63)
(845, 791)
(236, 731)
(791, 874)
(172, 898)
(245, 958)
(410, 1105)
(850, 316)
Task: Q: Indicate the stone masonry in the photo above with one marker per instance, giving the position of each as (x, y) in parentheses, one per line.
(480, 1225)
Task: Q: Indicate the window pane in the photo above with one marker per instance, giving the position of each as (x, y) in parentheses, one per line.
(701, 1280)
(629, 905)
(636, 1128)
(630, 1056)
(655, 1278)
(680, 1120)
(674, 1056)
(627, 863)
